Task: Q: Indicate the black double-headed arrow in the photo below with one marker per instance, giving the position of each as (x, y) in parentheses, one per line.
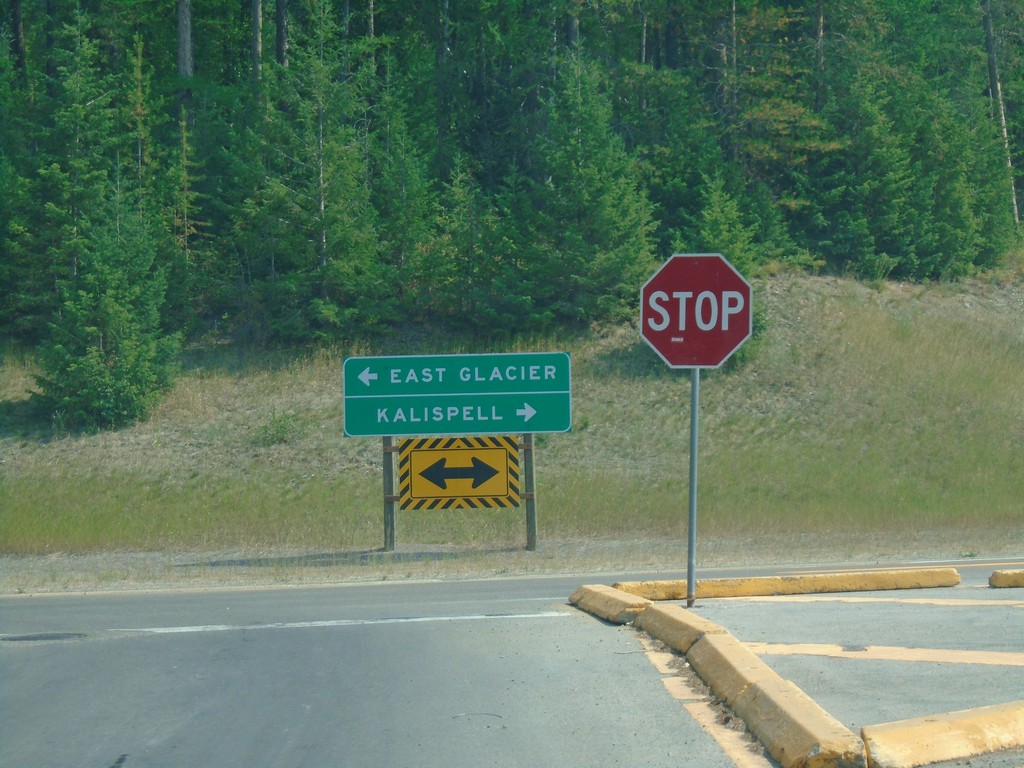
(439, 473)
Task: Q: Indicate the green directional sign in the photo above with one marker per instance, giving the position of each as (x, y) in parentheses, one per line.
(457, 394)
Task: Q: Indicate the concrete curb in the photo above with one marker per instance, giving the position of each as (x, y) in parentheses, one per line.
(1006, 579)
(608, 603)
(949, 736)
(669, 589)
(795, 730)
(759, 586)
(675, 626)
(728, 666)
(791, 726)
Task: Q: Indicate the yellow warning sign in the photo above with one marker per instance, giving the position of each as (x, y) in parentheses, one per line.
(459, 472)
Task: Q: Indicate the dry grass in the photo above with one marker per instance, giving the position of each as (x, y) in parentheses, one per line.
(863, 421)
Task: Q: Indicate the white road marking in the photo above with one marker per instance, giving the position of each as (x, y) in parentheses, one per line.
(334, 623)
(737, 745)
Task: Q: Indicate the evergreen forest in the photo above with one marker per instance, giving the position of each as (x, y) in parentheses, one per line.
(298, 171)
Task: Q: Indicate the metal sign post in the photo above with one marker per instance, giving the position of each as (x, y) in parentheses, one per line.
(389, 494)
(691, 538)
(529, 492)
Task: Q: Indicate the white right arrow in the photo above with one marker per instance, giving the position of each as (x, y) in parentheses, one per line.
(526, 412)
(366, 377)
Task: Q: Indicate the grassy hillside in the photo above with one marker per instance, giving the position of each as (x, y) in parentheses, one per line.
(862, 422)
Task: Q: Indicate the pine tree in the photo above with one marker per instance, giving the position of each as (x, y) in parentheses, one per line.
(313, 202)
(65, 177)
(105, 357)
(107, 360)
(872, 212)
(593, 219)
(470, 274)
(672, 136)
(400, 188)
(723, 230)
(312, 194)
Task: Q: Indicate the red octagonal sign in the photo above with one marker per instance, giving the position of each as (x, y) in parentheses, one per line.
(696, 310)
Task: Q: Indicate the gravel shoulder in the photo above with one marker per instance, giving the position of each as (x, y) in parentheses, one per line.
(119, 571)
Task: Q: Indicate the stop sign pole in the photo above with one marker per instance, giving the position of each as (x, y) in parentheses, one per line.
(695, 311)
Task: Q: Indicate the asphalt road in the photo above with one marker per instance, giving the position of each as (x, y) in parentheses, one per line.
(497, 672)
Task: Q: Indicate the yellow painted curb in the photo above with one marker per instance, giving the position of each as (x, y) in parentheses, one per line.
(859, 581)
(795, 730)
(608, 603)
(728, 666)
(949, 736)
(759, 586)
(669, 589)
(675, 626)
(792, 727)
(1006, 579)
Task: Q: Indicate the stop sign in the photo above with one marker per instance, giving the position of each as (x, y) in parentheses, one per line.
(696, 310)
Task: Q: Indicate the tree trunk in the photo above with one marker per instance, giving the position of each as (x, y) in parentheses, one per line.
(18, 42)
(371, 32)
(186, 70)
(50, 67)
(281, 17)
(321, 148)
(730, 85)
(996, 99)
(443, 84)
(445, 33)
(321, 190)
(733, 70)
(185, 226)
(819, 58)
(257, 40)
(572, 28)
(643, 38)
(186, 62)
(139, 112)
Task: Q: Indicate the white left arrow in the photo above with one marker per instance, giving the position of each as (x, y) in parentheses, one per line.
(366, 377)
(526, 412)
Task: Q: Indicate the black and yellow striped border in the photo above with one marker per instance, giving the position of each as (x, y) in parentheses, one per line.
(510, 498)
